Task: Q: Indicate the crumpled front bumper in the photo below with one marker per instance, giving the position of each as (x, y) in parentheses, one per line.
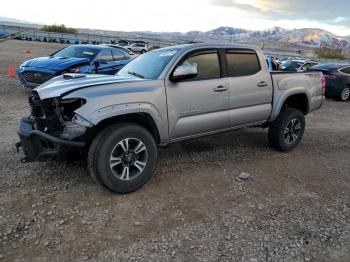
(40, 146)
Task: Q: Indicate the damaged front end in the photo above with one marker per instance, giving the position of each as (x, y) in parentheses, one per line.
(53, 129)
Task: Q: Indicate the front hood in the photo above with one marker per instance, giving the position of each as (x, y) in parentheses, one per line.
(55, 63)
(69, 82)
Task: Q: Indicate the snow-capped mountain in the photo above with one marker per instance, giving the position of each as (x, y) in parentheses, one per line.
(314, 37)
(307, 36)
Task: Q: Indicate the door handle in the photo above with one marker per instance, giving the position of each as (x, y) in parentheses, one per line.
(262, 84)
(220, 89)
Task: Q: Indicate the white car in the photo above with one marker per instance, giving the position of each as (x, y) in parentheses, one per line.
(138, 47)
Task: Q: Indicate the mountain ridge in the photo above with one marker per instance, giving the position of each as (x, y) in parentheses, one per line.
(314, 37)
(310, 37)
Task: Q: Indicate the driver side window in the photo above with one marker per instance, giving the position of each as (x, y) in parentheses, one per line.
(105, 55)
(208, 66)
(118, 55)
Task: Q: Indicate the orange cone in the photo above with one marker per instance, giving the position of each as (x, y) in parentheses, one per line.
(26, 51)
(11, 71)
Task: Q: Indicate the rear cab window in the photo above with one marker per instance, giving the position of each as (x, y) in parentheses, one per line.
(242, 62)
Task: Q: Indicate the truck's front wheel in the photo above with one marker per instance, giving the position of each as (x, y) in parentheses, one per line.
(123, 157)
(286, 132)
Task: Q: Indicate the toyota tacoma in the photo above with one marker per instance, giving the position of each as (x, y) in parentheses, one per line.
(161, 97)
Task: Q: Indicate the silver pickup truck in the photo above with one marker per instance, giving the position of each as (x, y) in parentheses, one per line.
(164, 96)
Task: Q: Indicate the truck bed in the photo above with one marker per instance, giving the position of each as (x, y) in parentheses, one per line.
(289, 83)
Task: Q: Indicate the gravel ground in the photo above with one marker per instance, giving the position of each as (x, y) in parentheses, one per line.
(294, 207)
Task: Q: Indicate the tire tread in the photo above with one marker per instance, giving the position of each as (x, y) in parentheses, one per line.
(94, 160)
(274, 135)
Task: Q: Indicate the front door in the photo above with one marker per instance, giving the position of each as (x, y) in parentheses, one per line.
(198, 105)
(105, 63)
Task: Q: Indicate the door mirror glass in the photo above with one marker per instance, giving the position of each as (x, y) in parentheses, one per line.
(185, 71)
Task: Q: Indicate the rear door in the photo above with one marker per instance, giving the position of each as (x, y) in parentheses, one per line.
(198, 105)
(250, 87)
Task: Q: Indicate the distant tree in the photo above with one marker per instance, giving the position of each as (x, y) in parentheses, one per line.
(59, 29)
(326, 51)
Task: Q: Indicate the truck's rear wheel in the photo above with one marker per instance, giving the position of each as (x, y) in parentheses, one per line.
(286, 132)
(123, 157)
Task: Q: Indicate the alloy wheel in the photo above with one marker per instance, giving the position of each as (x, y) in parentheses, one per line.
(292, 131)
(128, 158)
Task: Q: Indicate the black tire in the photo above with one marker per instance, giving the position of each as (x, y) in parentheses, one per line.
(344, 95)
(277, 135)
(143, 51)
(106, 142)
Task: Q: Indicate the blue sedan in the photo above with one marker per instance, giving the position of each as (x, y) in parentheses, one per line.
(85, 59)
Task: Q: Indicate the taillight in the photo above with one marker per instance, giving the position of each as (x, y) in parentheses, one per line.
(323, 85)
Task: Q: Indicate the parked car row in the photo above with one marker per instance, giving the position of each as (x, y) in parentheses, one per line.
(136, 46)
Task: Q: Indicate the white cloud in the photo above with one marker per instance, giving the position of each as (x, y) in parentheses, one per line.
(340, 19)
(153, 15)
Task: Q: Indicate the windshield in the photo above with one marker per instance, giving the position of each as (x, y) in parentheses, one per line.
(77, 51)
(149, 65)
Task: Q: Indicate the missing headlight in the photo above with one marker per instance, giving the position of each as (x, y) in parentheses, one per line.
(71, 129)
(68, 106)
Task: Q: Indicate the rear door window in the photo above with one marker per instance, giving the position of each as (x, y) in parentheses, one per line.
(242, 63)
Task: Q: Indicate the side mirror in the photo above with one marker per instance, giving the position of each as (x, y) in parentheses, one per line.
(184, 72)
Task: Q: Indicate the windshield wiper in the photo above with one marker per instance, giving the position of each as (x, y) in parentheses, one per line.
(136, 74)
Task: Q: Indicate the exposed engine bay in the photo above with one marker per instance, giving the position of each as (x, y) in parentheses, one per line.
(56, 116)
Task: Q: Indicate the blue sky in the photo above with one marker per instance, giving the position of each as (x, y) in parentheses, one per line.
(185, 15)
